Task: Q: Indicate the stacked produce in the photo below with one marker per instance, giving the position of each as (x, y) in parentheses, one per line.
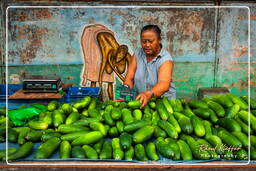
(211, 128)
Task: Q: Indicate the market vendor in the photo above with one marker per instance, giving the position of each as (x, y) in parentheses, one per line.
(151, 67)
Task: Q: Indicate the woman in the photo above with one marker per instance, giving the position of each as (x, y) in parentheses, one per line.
(151, 67)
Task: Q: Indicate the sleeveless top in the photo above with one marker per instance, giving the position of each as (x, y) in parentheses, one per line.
(146, 75)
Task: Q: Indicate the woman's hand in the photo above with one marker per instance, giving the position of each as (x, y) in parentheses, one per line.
(144, 98)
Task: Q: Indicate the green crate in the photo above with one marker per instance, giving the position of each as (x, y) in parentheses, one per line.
(125, 93)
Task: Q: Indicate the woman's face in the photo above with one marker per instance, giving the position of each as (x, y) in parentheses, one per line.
(150, 42)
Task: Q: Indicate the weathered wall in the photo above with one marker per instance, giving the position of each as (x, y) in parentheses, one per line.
(209, 46)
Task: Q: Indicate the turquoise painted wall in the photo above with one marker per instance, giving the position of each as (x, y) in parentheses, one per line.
(209, 46)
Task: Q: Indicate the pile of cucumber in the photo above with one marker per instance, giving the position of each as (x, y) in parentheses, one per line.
(211, 128)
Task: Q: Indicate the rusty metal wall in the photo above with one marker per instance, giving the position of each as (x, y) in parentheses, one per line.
(205, 43)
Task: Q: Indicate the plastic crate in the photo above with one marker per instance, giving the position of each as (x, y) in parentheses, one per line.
(77, 93)
(12, 88)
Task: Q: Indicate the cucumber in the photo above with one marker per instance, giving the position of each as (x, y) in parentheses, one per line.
(198, 126)
(90, 152)
(120, 126)
(128, 155)
(85, 122)
(47, 136)
(244, 115)
(9, 151)
(184, 122)
(53, 105)
(106, 152)
(22, 133)
(134, 104)
(113, 132)
(118, 153)
(71, 136)
(213, 117)
(158, 132)
(169, 129)
(143, 134)
(163, 113)
(83, 103)
(133, 126)
(224, 100)
(185, 151)
(65, 129)
(244, 126)
(175, 123)
(173, 144)
(164, 149)
(67, 108)
(22, 152)
(37, 124)
(198, 104)
(253, 140)
(85, 113)
(58, 118)
(140, 153)
(72, 118)
(46, 149)
(93, 113)
(233, 111)
(167, 105)
(152, 105)
(108, 119)
(216, 107)
(97, 126)
(65, 150)
(78, 152)
(48, 118)
(137, 114)
(229, 139)
(116, 113)
(127, 116)
(12, 135)
(202, 113)
(188, 113)
(230, 124)
(252, 153)
(34, 136)
(92, 104)
(243, 138)
(151, 151)
(125, 141)
(237, 100)
(178, 106)
(98, 146)
(208, 128)
(155, 118)
(89, 138)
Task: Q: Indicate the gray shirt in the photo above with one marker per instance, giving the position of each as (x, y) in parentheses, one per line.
(146, 75)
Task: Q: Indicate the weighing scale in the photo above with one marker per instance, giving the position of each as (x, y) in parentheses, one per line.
(40, 84)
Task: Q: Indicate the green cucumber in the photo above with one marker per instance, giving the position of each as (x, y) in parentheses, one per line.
(125, 141)
(198, 126)
(169, 128)
(72, 118)
(127, 116)
(137, 114)
(89, 138)
(140, 153)
(65, 150)
(65, 129)
(185, 151)
(151, 151)
(90, 152)
(233, 111)
(106, 152)
(143, 134)
(46, 149)
(22, 152)
(78, 152)
(129, 154)
(133, 126)
(72, 136)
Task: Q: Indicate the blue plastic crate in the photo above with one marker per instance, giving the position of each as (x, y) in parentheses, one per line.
(77, 93)
(12, 88)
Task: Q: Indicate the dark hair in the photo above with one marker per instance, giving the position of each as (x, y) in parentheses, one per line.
(154, 28)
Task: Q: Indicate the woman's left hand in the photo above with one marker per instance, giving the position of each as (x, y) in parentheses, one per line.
(144, 98)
